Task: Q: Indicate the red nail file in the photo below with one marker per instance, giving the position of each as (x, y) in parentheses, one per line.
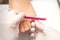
(34, 18)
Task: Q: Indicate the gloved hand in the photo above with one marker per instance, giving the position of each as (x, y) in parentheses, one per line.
(12, 21)
(46, 33)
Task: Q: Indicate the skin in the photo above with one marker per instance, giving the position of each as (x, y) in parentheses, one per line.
(26, 7)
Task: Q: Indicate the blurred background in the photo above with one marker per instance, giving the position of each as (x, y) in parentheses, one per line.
(3, 1)
(6, 2)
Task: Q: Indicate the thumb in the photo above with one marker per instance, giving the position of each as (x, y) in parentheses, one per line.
(19, 17)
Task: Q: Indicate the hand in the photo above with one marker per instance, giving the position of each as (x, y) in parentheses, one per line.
(25, 25)
(11, 28)
(46, 33)
(27, 8)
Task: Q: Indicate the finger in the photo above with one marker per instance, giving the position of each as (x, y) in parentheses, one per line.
(19, 17)
(21, 28)
(27, 25)
(39, 26)
(35, 28)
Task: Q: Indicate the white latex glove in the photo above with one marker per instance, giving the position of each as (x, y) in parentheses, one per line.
(12, 22)
(46, 33)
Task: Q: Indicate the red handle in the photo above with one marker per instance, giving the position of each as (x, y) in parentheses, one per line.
(34, 18)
